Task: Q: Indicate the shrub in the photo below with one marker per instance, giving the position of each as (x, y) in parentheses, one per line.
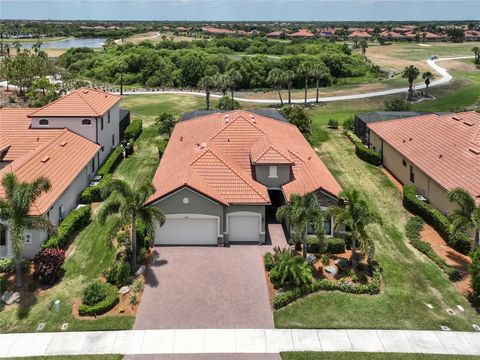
(335, 246)
(141, 255)
(112, 161)
(435, 218)
(7, 265)
(413, 228)
(364, 152)
(94, 193)
(3, 284)
(137, 285)
(118, 272)
(111, 299)
(227, 103)
(313, 244)
(161, 147)
(122, 238)
(289, 268)
(268, 261)
(94, 293)
(74, 221)
(133, 299)
(349, 124)
(133, 130)
(48, 265)
(397, 104)
(326, 259)
(333, 124)
(475, 271)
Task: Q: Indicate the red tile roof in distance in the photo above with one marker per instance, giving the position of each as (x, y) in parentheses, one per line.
(83, 102)
(446, 147)
(61, 160)
(212, 155)
(302, 33)
(360, 34)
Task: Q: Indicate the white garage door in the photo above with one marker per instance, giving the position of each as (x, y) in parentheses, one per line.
(187, 230)
(243, 228)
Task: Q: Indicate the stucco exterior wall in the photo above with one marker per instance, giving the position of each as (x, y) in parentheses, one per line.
(283, 175)
(109, 130)
(73, 124)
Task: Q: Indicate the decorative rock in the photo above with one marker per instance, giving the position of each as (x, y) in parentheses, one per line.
(450, 311)
(342, 263)
(460, 307)
(10, 297)
(311, 258)
(64, 326)
(331, 270)
(140, 270)
(445, 328)
(121, 310)
(430, 306)
(476, 327)
(124, 290)
(41, 326)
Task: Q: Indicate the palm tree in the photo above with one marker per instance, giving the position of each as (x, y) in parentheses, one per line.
(319, 71)
(17, 45)
(233, 78)
(467, 216)
(363, 45)
(222, 83)
(275, 78)
(19, 197)
(127, 203)
(305, 71)
(410, 73)
(288, 78)
(356, 215)
(207, 83)
(300, 212)
(427, 76)
(476, 52)
(289, 267)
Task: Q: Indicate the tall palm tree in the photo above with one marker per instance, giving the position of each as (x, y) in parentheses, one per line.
(127, 203)
(410, 73)
(207, 83)
(222, 83)
(467, 216)
(319, 71)
(305, 71)
(476, 52)
(356, 215)
(233, 78)
(288, 78)
(427, 76)
(17, 45)
(276, 78)
(363, 44)
(19, 197)
(301, 212)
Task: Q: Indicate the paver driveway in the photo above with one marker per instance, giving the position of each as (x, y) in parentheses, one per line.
(206, 287)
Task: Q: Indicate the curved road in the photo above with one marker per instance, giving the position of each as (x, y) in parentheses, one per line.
(445, 78)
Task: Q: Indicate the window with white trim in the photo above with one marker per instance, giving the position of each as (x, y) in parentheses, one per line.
(272, 172)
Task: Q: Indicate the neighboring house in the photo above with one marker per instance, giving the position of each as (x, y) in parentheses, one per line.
(275, 34)
(472, 35)
(327, 33)
(302, 33)
(359, 35)
(436, 153)
(222, 174)
(393, 36)
(62, 141)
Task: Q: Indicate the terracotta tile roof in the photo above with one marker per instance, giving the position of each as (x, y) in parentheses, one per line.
(264, 153)
(81, 102)
(302, 33)
(445, 147)
(212, 155)
(392, 34)
(16, 136)
(212, 30)
(275, 33)
(53, 160)
(360, 34)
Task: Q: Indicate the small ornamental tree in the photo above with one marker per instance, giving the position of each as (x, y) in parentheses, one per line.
(48, 265)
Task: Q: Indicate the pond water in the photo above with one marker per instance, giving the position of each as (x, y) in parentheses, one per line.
(68, 43)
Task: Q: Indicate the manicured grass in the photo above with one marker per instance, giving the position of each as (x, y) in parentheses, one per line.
(410, 279)
(369, 356)
(72, 357)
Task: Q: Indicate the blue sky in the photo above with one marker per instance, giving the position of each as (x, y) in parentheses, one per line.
(236, 10)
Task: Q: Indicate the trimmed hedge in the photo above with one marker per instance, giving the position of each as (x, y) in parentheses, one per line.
(133, 130)
(74, 221)
(161, 147)
(364, 152)
(112, 161)
(334, 245)
(103, 306)
(435, 218)
(413, 228)
(475, 271)
(373, 287)
(94, 193)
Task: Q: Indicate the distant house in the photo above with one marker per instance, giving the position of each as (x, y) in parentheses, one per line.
(472, 35)
(393, 36)
(436, 153)
(303, 33)
(217, 31)
(66, 141)
(327, 33)
(359, 35)
(275, 34)
(428, 36)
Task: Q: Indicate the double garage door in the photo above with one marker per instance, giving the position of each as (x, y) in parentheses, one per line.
(187, 229)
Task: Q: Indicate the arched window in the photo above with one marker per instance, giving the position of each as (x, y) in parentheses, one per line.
(86, 122)
(43, 122)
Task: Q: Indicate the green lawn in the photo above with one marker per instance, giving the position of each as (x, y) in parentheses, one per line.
(72, 357)
(369, 356)
(410, 279)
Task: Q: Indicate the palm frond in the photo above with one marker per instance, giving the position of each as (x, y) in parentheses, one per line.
(9, 183)
(109, 207)
(40, 223)
(38, 186)
(116, 185)
(464, 200)
(6, 211)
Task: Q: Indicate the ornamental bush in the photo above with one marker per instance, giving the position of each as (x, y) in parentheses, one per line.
(48, 265)
(333, 245)
(268, 261)
(364, 152)
(133, 130)
(7, 265)
(73, 222)
(111, 299)
(94, 193)
(475, 271)
(113, 160)
(118, 272)
(94, 293)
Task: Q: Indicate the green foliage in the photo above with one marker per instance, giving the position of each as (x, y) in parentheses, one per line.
(73, 222)
(7, 265)
(435, 218)
(396, 104)
(333, 124)
(289, 268)
(94, 293)
(364, 152)
(111, 299)
(326, 259)
(3, 284)
(166, 122)
(112, 161)
(268, 261)
(413, 228)
(335, 246)
(48, 265)
(161, 147)
(298, 116)
(475, 271)
(118, 272)
(349, 124)
(133, 299)
(227, 103)
(133, 130)
(330, 246)
(94, 193)
(137, 285)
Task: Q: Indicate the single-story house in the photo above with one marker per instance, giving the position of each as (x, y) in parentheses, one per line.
(393, 36)
(359, 35)
(436, 153)
(66, 141)
(222, 173)
(302, 33)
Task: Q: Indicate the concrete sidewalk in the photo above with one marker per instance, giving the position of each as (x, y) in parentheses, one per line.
(237, 341)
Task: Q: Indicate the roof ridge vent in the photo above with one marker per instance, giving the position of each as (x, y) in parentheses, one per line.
(85, 91)
(63, 143)
(468, 123)
(45, 159)
(476, 151)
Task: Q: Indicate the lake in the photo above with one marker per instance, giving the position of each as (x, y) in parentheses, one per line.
(68, 43)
